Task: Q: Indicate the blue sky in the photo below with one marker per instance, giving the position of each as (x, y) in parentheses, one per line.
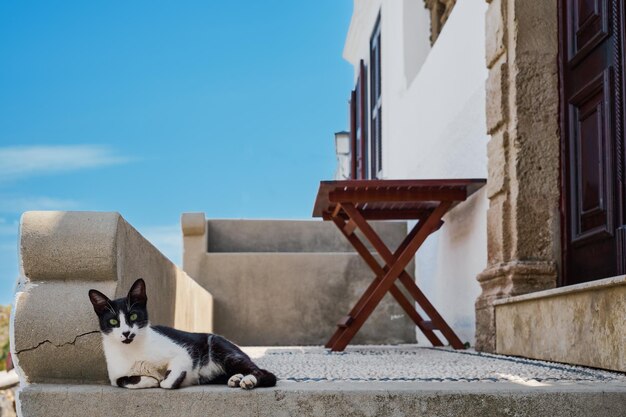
(154, 108)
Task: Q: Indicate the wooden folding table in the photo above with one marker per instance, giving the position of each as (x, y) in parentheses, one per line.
(351, 204)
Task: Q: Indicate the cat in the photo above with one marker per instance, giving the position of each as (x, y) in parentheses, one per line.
(139, 355)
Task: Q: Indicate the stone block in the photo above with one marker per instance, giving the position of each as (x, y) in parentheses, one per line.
(193, 224)
(497, 150)
(497, 96)
(497, 242)
(485, 329)
(503, 280)
(580, 324)
(57, 245)
(495, 29)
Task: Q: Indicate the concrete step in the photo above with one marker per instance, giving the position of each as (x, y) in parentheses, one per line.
(295, 298)
(404, 380)
(290, 236)
(329, 399)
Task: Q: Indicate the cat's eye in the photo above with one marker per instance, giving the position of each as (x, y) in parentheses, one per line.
(133, 317)
(113, 322)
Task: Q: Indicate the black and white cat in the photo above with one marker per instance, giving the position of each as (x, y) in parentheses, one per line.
(139, 355)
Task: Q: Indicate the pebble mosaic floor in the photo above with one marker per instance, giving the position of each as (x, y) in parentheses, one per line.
(413, 363)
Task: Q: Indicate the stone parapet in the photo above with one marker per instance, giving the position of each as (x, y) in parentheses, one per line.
(288, 282)
(274, 299)
(55, 334)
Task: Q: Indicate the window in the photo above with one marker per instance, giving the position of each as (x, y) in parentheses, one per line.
(358, 126)
(375, 104)
(366, 116)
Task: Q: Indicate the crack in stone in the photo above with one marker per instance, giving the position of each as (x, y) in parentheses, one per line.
(58, 346)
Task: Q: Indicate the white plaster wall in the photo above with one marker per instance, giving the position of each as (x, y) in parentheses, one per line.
(416, 37)
(434, 127)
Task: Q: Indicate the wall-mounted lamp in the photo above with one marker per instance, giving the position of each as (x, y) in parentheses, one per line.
(342, 143)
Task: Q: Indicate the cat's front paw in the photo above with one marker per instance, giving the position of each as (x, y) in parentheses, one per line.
(171, 382)
(234, 380)
(248, 382)
(136, 382)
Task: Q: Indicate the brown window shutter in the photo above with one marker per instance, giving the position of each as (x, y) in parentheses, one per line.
(353, 163)
(363, 118)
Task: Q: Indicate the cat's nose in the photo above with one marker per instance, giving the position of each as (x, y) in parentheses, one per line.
(126, 334)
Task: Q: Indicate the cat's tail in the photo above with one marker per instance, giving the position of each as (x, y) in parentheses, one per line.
(264, 378)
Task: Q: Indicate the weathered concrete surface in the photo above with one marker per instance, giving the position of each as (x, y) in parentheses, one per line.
(291, 236)
(295, 298)
(195, 242)
(54, 330)
(329, 399)
(580, 324)
(404, 380)
(288, 282)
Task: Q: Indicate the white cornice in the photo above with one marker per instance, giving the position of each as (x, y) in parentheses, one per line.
(364, 16)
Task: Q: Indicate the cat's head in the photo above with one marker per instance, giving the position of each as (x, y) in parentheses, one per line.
(124, 319)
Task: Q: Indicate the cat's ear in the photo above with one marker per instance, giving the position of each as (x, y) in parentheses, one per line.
(137, 293)
(100, 301)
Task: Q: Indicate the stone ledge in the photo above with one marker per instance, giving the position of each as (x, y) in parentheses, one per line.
(583, 324)
(571, 289)
(329, 399)
(56, 245)
(504, 280)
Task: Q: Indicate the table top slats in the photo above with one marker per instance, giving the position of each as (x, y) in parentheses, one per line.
(393, 199)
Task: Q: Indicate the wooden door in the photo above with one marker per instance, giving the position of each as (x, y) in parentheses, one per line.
(592, 124)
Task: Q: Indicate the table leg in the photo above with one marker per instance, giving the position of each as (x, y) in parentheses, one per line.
(438, 321)
(380, 272)
(392, 273)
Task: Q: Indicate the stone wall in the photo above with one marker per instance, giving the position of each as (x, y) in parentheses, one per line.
(288, 282)
(54, 332)
(439, 12)
(522, 109)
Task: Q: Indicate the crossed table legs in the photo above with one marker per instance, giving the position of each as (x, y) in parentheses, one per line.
(393, 268)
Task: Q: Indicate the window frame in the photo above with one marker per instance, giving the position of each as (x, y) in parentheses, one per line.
(375, 110)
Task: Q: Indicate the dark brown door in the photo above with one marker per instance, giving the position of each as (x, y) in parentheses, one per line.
(591, 61)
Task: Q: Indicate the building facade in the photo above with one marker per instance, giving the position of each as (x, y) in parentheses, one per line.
(417, 111)
(529, 95)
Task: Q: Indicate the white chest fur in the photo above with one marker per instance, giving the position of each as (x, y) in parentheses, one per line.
(151, 354)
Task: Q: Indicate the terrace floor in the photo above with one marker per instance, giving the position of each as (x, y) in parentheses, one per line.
(413, 363)
(403, 380)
